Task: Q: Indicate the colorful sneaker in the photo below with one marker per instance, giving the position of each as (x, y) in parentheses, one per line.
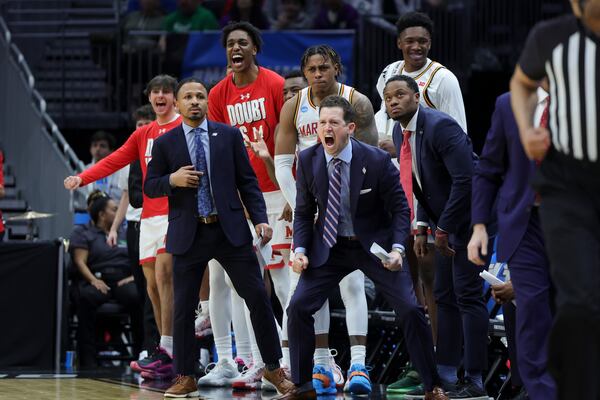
(338, 375)
(202, 325)
(323, 380)
(158, 375)
(221, 375)
(241, 364)
(158, 362)
(146, 360)
(251, 379)
(358, 381)
(408, 381)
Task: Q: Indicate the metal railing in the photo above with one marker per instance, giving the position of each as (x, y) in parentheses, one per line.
(33, 144)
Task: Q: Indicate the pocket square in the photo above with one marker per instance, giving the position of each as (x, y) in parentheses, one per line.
(214, 133)
(364, 191)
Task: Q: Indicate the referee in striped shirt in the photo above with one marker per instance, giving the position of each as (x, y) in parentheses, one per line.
(566, 50)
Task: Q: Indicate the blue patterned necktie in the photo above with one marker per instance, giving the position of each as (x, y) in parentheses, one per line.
(333, 204)
(204, 198)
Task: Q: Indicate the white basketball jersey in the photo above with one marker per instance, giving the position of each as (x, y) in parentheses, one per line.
(306, 116)
(423, 77)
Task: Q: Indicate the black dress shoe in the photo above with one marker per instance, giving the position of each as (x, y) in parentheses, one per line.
(468, 391)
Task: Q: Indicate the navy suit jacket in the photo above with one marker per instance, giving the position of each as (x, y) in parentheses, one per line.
(503, 173)
(229, 172)
(378, 207)
(445, 159)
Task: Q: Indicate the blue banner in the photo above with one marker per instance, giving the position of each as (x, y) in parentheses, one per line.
(205, 56)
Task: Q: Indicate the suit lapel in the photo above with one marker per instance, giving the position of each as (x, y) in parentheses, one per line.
(357, 175)
(419, 140)
(213, 144)
(182, 147)
(321, 177)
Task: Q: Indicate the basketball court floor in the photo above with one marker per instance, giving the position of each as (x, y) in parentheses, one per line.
(118, 384)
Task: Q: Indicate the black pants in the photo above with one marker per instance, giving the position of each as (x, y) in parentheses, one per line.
(150, 336)
(89, 299)
(241, 264)
(570, 216)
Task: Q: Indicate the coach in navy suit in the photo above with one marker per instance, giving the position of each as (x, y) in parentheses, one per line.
(504, 171)
(356, 190)
(436, 163)
(202, 166)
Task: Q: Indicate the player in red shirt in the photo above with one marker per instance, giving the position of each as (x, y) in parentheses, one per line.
(156, 263)
(250, 98)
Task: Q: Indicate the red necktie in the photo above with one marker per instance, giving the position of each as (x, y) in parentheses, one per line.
(406, 171)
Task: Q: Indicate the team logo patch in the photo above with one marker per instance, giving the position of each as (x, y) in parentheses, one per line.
(304, 109)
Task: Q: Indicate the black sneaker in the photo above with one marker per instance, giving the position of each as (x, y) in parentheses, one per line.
(467, 390)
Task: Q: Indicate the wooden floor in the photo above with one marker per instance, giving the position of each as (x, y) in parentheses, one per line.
(21, 386)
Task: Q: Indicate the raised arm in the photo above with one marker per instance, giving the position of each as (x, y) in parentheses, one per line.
(285, 151)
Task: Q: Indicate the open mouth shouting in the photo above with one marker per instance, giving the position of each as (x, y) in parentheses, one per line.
(160, 106)
(237, 60)
(329, 140)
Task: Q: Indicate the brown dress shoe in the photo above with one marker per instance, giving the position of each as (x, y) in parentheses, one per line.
(278, 379)
(183, 386)
(436, 394)
(298, 393)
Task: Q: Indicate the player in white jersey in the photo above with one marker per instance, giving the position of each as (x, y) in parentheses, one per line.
(439, 89)
(321, 66)
(438, 86)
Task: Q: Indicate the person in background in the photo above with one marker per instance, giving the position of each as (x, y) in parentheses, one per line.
(249, 11)
(336, 14)
(102, 143)
(130, 208)
(104, 270)
(149, 18)
(292, 14)
(502, 178)
(436, 164)
(565, 50)
(190, 16)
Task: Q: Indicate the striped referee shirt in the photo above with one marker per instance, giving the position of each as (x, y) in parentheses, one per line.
(566, 52)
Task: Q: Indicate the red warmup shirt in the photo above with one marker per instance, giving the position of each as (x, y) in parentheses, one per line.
(254, 109)
(137, 147)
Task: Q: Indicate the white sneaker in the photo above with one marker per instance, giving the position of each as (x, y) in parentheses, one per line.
(223, 373)
(251, 379)
(338, 375)
(202, 325)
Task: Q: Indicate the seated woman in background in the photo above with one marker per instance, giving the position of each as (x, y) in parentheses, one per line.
(105, 272)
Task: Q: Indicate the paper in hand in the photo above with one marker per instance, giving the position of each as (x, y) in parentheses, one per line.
(263, 253)
(492, 280)
(379, 252)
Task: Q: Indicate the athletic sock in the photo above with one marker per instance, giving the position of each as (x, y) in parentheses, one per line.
(223, 347)
(286, 356)
(358, 354)
(321, 357)
(166, 343)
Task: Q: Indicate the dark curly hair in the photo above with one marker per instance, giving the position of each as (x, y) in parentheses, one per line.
(324, 51)
(247, 27)
(411, 19)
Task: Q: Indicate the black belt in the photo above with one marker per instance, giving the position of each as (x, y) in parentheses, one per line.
(211, 219)
(348, 241)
